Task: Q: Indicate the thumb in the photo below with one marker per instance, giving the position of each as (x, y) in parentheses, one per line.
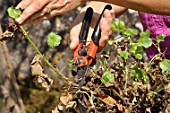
(74, 43)
(74, 36)
(75, 31)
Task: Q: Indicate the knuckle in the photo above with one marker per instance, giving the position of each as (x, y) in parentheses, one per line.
(37, 5)
(21, 19)
(46, 17)
(113, 11)
(24, 15)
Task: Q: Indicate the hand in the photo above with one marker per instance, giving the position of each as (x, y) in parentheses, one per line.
(38, 10)
(105, 24)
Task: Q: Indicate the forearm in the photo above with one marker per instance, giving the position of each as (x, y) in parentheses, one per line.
(149, 6)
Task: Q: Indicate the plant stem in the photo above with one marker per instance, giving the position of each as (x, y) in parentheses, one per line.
(48, 63)
(114, 91)
(126, 77)
(45, 60)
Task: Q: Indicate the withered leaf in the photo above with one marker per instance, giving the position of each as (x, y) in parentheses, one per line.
(36, 65)
(55, 110)
(66, 98)
(71, 104)
(111, 102)
(37, 70)
(7, 35)
(9, 32)
(61, 106)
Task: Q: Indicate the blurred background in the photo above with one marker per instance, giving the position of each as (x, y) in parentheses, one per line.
(17, 89)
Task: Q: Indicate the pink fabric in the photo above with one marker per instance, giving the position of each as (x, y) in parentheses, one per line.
(157, 25)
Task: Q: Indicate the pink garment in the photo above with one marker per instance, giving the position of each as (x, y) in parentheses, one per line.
(157, 25)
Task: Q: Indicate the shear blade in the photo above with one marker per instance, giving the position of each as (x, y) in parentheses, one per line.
(81, 75)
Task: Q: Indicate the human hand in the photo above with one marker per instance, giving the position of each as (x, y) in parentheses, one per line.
(38, 10)
(105, 24)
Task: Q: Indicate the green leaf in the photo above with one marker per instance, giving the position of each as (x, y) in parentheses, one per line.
(136, 72)
(138, 56)
(53, 39)
(71, 64)
(121, 25)
(114, 27)
(159, 88)
(14, 13)
(130, 32)
(165, 65)
(118, 25)
(160, 38)
(134, 47)
(124, 54)
(110, 42)
(145, 78)
(139, 50)
(144, 39)
(107, 77)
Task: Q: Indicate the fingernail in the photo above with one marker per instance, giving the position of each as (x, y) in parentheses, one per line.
(18, 20)
(17, 7)
(72, 47)
(73, 44)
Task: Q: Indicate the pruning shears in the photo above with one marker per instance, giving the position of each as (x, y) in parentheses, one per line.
(84, 54)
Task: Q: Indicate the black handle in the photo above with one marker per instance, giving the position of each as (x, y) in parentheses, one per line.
(85, 25)
(97, 31)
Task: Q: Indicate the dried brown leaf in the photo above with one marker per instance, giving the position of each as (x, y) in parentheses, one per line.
(47, 82)
(55, 110)
(71, 104)
(37, 70)
(66, 98)
(7, 35)
(61, 107)
(36, 65)
(9, 32)
(111, 102)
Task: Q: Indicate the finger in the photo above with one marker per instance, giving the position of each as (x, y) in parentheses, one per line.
(39, 19)
(75, 31)
(74, 41)
(43, 17)
(105, 25)
(34, 7)
(74, 35)
(40, 14)
(23, 4)
(106, 22)
(103, 42)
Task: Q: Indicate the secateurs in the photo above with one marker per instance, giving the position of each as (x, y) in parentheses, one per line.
(84, 54)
